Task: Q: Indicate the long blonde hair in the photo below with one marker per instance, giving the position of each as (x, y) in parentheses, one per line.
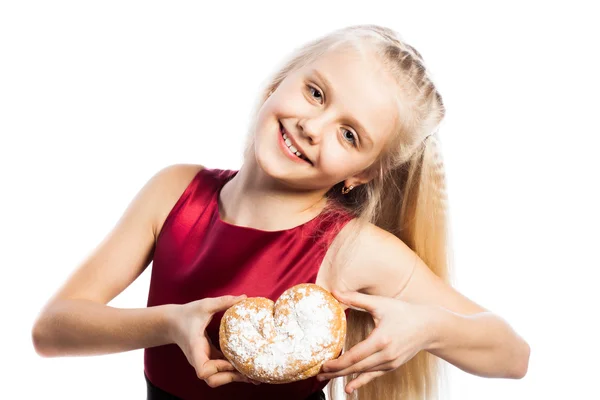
(407, 195)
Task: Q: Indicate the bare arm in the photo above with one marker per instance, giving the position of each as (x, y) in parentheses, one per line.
(481, 344)
(72, 327)
(463, 333)
(77, 321)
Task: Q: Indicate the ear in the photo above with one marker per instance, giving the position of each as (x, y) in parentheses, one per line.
(361, 178)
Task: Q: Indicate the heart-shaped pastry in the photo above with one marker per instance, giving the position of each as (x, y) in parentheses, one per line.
(285, 341)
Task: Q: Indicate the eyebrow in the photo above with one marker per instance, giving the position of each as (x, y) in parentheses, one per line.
(354, 121)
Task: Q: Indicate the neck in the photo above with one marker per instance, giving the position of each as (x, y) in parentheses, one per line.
(254, 199)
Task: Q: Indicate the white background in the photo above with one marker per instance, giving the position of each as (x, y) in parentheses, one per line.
(96, 97)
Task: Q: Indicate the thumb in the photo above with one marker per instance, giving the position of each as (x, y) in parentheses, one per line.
(357, 301)
(223, 303)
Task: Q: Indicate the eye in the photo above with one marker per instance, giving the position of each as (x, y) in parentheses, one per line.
(313, 91)
(350, 137)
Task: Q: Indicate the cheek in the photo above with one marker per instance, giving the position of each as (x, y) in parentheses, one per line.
(266, 120)
(265, 125)
(337, 162)
(340, 163)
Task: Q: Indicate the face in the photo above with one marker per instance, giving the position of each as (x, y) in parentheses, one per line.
(336, 114)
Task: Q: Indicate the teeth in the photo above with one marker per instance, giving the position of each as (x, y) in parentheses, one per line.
(293, 149)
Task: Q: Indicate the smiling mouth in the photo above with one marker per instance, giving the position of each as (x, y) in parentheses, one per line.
(290, 146)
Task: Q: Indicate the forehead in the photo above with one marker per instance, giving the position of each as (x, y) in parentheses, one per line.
(360, 87)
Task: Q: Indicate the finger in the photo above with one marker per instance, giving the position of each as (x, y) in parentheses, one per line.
(213, 367)
(214, 352)
(390, 365)
(373, 344)
(362, 380)
(206, 359)
(358, 301)
(222, 303)
(224, 378)
(367, 364)
(385, 367)
(200, 351)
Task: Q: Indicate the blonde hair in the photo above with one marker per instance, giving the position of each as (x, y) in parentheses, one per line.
(407, 195)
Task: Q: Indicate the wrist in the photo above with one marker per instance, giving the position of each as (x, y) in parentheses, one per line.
(438, 319)
(170, 325)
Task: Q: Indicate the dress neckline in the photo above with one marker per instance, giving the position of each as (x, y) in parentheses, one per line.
(218, 218)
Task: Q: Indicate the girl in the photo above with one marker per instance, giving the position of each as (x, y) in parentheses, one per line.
(342, 185)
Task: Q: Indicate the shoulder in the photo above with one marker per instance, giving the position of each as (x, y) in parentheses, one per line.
(127, 249)
(179, 172)
(172, 180)
(370, 259)
(170, 183)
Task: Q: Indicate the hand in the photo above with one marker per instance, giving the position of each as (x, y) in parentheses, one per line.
(401, 331)
(189, 333)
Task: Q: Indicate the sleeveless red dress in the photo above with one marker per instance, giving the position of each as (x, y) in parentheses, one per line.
(198, 255)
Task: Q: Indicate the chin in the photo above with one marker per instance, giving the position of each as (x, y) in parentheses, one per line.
(282, 172)
(273, 167)
(266, 159)
(270, 159)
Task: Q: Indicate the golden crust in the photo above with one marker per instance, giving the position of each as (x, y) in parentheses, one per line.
(257, 336)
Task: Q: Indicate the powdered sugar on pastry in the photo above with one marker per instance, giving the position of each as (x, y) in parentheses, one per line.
(284, 341)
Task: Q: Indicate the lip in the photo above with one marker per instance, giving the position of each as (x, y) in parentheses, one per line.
(286, 150)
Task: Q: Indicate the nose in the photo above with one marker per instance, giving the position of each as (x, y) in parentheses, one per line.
(312, 129)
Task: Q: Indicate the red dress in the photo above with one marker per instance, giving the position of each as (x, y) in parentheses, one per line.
(199, 255)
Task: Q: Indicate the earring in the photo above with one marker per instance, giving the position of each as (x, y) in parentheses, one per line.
(347, 190)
